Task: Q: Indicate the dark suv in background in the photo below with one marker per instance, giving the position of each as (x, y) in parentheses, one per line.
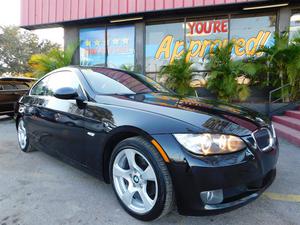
(11, 89)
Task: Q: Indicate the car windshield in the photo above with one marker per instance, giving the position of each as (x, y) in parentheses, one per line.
(109, 81)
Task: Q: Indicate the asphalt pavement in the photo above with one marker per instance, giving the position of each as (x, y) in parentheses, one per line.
(37, 189)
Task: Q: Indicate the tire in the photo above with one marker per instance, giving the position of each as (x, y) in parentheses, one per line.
(23, 138)
(142, 184)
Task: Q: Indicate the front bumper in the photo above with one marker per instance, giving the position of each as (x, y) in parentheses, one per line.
(242, 176)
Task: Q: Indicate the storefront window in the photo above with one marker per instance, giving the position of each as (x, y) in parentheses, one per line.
(295, 26)
(250, 34)
(202, 37)
(92, 47)
(120, 44)
(164, 42)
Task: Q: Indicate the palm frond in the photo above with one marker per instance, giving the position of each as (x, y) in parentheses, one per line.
(282, 60)
(42, 64)
(224, 73)
(178, 75)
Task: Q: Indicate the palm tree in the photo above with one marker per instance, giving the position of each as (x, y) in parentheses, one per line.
(179, 75)
(277, 56)
(224, 73)
(293, 67)
(127, 67)
(282, 60)
(42, 64)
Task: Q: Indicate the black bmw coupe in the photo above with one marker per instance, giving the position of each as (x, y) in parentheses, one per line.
(157, 149)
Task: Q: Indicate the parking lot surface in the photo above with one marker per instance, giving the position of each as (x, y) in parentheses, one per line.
(37, 189)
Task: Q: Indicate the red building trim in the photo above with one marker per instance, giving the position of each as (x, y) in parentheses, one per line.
(38, 12)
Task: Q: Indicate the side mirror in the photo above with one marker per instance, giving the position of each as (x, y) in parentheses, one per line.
(66, 93)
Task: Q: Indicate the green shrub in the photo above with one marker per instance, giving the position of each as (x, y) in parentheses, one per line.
(282, 62)
(179, 75)
(42, 64)
(224, 73)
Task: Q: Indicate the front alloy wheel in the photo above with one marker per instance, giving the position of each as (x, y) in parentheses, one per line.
(135, 180)
(140, 179)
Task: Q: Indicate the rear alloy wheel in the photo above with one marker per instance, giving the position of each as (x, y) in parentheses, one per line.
(140, 179)
(23, 137)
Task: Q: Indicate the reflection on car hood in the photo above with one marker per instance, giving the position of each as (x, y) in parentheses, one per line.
(213, 116)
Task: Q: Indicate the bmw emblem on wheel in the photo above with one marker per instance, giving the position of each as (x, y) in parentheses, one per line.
(136, 179)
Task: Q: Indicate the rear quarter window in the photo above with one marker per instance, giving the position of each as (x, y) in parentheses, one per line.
(40, 88)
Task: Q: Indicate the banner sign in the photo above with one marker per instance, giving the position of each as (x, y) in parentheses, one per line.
(202, 37)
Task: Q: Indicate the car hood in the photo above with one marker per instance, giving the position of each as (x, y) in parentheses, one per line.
(208, 115)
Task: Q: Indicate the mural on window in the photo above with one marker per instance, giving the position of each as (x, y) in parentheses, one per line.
(251, 33)
(204, 36)
(92, 47)
(165, 42)
(120, 44)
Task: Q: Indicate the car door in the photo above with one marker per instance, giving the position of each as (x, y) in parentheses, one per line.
(60, 122)
(31, 106)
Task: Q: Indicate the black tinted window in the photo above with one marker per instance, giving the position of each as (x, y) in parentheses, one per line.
(40, 88)
(107, 81)
(62, 79)
(55, 81)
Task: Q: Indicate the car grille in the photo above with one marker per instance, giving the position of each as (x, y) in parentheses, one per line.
(263, 139)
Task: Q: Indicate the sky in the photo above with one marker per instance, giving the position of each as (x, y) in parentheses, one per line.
(10, 15)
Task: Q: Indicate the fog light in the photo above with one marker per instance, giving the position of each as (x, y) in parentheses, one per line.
(212, 197)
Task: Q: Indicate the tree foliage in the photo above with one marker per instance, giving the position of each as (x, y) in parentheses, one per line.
(282, 62)
(42, 64)
(17, 46)
(224, 73)
(179, 75)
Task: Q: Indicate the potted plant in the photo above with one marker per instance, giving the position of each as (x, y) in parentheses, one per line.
(261, 81)
(178, 75)
(199, 83)
(281, 62)
(223, 78)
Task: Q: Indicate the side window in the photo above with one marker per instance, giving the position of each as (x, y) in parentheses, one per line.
(63, 79)
(51, 83)
(40, 88)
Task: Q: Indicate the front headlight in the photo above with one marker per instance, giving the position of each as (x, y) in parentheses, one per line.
(210, 144)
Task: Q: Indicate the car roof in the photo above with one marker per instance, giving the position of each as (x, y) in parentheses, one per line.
(94, 67)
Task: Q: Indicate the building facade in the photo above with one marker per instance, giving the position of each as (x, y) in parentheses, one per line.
(145, 34)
